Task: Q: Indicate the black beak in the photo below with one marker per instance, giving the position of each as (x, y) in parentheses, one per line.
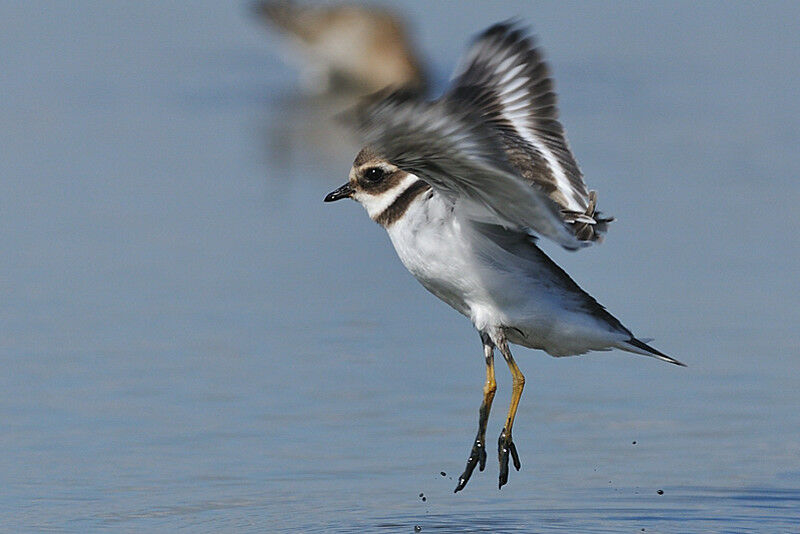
(346, 191)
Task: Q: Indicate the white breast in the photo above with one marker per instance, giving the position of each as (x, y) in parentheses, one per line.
(491, 286)
(443, 254)
(429, 242)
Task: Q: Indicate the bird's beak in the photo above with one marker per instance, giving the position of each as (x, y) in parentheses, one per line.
(346, 191)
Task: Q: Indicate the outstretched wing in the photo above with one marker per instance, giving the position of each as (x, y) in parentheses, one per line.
(453, 150)
(504, 79)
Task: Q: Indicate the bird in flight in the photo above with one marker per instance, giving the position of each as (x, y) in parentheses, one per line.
(464, 186)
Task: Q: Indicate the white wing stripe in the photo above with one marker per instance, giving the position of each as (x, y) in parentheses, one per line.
(510, 74)
(516, 84)
(512, 104)
(505, 64)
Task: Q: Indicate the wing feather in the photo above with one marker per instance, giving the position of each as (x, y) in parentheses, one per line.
(492, 144)
(505, 77)
(454, 151)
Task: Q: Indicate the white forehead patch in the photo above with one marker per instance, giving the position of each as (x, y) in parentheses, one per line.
(377, 203)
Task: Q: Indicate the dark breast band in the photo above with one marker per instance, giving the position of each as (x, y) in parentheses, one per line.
(398, 208)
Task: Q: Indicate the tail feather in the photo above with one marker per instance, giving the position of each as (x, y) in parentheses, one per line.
(588, 226)
(645, 349)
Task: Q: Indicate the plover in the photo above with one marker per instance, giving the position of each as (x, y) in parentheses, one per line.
(464, 186)
(347, 47)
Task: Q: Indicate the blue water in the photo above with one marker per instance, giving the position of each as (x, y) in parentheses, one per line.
(191, 340)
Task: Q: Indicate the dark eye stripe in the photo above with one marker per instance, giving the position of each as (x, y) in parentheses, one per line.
(387, 181)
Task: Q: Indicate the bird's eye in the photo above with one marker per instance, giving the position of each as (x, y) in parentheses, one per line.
(373, 174)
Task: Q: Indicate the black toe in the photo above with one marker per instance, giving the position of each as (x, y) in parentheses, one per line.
(477, 457)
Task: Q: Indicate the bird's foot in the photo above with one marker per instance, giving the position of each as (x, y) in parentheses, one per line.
(477, 455)
(505, 447)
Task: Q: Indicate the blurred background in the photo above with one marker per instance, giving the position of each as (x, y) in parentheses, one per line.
(190, 339)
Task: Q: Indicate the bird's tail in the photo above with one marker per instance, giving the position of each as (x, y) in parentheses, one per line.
(589, 225)
(640, 347)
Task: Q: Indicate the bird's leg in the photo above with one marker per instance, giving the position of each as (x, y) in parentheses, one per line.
(478, 453)
(505, 446)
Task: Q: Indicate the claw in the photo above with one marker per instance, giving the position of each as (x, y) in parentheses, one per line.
(514, 456)
(476, 457)
(506, 448)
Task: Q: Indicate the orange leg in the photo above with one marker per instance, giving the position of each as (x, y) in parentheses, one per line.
(478, 453)
(505, 446)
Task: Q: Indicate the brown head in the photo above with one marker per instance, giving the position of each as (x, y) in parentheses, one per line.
(382, 188)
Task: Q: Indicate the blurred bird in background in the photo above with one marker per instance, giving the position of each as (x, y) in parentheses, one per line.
(346, 48)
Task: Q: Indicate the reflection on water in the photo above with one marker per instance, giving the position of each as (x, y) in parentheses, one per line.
(191, 339)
